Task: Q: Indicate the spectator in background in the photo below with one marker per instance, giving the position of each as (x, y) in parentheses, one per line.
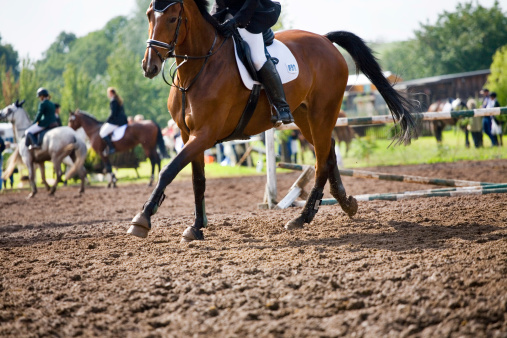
(475, 124)
(496, 125)
(57, 113)
(485, 98)
(486, 120)
(2, 148)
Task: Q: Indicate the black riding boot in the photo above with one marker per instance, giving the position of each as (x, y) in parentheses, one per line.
(268, 76)
(31, 141)
(110, 147)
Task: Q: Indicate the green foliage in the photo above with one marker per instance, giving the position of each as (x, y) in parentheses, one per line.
(9, 57)
(460, 41)
(363, 147)
(497, 80)
(28, 84)
(75, 91)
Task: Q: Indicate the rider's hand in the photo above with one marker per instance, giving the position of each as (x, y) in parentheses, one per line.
(228, 27)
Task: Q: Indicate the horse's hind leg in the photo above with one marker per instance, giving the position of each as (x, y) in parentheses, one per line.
(43, 175)
(199, 183)
(349, 205)
(57, 164)
(312, 132)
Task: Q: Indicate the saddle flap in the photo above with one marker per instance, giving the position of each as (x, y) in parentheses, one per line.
(287, 67)
(118, 133)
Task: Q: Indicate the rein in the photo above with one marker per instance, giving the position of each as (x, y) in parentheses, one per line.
(170, 47)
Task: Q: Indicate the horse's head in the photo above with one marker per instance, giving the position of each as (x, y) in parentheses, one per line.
(9, 113)
(74, 120)
(165, 19)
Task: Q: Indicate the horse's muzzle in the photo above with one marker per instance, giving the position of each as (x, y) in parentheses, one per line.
(151, 69)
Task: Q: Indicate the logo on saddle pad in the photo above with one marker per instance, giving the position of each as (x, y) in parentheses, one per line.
(287, 66)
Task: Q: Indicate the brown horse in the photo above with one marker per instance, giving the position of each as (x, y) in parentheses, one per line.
(446, 106)
(146, 133)
(341, 134)
(210, 97)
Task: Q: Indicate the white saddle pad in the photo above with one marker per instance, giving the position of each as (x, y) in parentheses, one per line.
(287, 66)
(118, 133)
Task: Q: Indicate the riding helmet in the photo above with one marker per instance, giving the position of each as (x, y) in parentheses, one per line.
(42, 92)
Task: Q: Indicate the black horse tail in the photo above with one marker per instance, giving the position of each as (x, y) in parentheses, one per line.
(160, 142)
(366, 62)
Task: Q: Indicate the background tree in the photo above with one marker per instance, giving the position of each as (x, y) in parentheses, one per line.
(28, 85)
(460, 41)
(9, 57)
(497, 80)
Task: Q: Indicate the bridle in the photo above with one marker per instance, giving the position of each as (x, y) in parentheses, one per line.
(170, 47)
(151, 43)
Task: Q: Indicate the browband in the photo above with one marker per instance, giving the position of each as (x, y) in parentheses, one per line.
(162, 5)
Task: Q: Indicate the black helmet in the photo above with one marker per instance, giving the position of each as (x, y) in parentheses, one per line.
(42, 92)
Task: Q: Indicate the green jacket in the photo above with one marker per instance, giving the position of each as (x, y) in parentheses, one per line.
(45, 114)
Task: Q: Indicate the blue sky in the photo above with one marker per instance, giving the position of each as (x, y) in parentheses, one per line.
(32, 25)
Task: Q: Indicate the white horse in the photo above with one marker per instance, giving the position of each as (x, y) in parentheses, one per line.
(58, 143)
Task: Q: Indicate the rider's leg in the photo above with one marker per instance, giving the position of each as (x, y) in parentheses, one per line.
(105, 134)
(30, 139)
(268, 75)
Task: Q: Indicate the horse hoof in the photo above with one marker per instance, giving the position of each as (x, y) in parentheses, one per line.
(140, 227)
(296, 223)
(192, 234)
(352, 206)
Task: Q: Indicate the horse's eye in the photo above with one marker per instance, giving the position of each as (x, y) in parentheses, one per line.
(172, 20)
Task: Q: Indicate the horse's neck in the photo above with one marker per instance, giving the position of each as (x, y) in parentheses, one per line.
(21, 123)
(200, 36)
(90, 126)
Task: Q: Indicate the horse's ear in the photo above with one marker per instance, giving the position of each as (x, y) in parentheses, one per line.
(21, 103)
(17, 103)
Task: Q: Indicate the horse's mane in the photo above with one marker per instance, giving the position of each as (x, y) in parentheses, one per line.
(203, 6)
(88, 115)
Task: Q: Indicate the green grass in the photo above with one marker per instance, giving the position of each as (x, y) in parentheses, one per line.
(422, 150)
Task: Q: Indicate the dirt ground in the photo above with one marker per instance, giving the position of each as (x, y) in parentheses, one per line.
(424, 267)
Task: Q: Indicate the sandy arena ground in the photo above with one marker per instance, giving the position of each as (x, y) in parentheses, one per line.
(425, 267)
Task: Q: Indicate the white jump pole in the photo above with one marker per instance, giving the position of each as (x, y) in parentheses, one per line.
(271, 190)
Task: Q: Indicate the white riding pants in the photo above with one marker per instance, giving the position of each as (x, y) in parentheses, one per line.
(106, 129)
(34, 129)
(256, 44)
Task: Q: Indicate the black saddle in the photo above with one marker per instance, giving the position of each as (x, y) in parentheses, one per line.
(40, 135)
(245, 55)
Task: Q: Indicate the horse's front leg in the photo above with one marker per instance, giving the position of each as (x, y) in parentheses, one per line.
(199, 182)
(141, 223)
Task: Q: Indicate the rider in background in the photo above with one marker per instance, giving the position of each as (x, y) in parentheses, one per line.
(57, 113)
(116, 119)
(252, 18)
(44, 119)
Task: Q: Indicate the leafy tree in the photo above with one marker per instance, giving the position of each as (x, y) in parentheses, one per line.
(497, 80)
(52, 65)
(28, 85)
(464, 40)
(75, 91)
(9, 88)
(460, 41)
(10, 57)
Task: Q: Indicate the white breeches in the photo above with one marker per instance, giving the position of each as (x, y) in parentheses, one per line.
(34, 129)
(106, 129)
(256, 44)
